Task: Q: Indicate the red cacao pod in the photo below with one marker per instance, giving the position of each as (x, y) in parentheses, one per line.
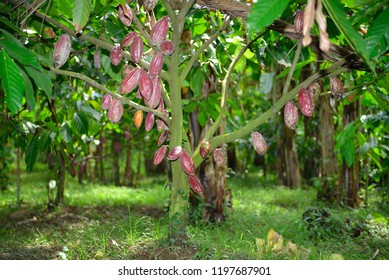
(290, 115)
(62, 50)
(336, 87)
(138, 94)
(116, 55)
(174, 153)
(138, 118)
(205, 147)
(149, 121)
(187, 163)
(162, 138)
(259, 143)
(155, 97)
(125, 14)
(314, 88)
(115, 111)
(130, 81)
(97, 59)
(306, 102)
(166, 47)
(219, 156)
(299, 21)
(145, 85)
(159, 30)
(161, 125)
(136, 49)
(156, 65)
(195, 184)
(106, 101)
(128, 39)
(159, 155)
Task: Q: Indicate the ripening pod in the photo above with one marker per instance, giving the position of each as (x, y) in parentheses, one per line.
(125, 14)
(159, 155)
(205, 147)
(187, 163)
(219, 157)
(149, 5)
(299, 21)
(155, 97)
(138, 118)
(115, 111)
(161, 125)
(130, 81)
(156, 65)
(97, 59)
(195, 184)
(306, 102)
(336, 87)
(116, 55)
(149, 121)
(166, 47)
(106, 101)
(174, 153)
(259, 143)
(159, 30)
(62, 50)
(290, 115)
(314, 88)
(128, 39)
(136, 49)
(145, 85)
(162, 138)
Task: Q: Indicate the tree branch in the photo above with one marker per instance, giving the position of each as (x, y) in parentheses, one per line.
(113, 94)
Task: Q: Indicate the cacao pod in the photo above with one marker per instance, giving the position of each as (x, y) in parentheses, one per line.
(115, 111)
(145, 85)
(290, 115)
(149, 121)
(106, 101)
(205, 147)
(160, 123)
(166, 47)
(136, 49)
(336, 87)
(159, 155)
(314, 88)
(195, 184)
(149, 5)
(97, 59)
(299, 21)
(156, 65)
(138, 95)
(162, 138)
(128, 39)
(138, 118)
(130, 81)
(187, 163)
(116, 147)
(125, 14)
(219, 156)
(159, 30)
(155, 97)
(305, 101)
(259, 143)
(62, 50)
(116, 55)
(174, 153)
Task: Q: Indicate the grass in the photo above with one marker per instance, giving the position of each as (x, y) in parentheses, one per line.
(108, 222)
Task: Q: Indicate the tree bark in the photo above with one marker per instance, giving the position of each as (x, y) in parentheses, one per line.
(61, 179)
(128, 176)
(115, 159)
(292, 167)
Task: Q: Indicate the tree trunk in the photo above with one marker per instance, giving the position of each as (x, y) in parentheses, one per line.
(292, 169)
(115, 159)
(61, 179)
(329, 161)
(128, 172)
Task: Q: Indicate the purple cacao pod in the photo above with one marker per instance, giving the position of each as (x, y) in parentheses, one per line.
(299, 21)
(163, 137)
(166, 47)
(305, 101)
(115, 112)
(116, 55)
(145, 85)
(136, 49)
(130, 81)
(62, 50)
(155, 97)
(128, 39)
(159, 30)
(195, 184)
(149, 121)
(125, 14)
(336, 87)
(159, 155)
(174, 153)
(156, 65)
(259, 143)
(290, 115)
(187, 163)
(106, 101)
(205, 147)
(314, 88)
(97, 59)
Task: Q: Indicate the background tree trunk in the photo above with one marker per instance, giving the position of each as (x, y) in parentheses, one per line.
(128, 172)
(115, 160)
(292, 167)
(61, 178)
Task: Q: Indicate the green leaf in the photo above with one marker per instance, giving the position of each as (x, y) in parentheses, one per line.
(66, 133)
(44, 141)
(197, 82)
(81, 12)
(31, 154)
(81, 122)
(41, 80)
(378, 30)
(264, 12)
(12, 82)
(17, 51)
(92, 112)
(29, 91)
(337, 14)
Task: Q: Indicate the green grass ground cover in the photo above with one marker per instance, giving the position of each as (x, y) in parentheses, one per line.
(108, 222)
